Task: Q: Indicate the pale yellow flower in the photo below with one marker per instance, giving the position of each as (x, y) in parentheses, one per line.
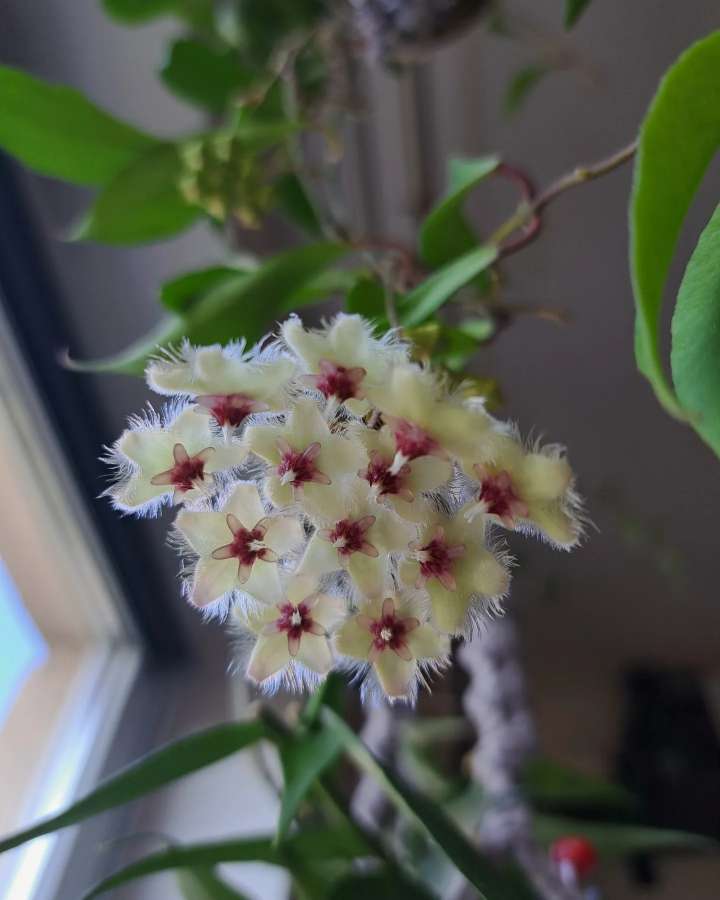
(238, 547)
(391, 635)
(168, 458)
(528, 491)
(452, 562)
(307, 460)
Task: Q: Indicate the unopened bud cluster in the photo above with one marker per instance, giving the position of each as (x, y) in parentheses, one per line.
(337, 501)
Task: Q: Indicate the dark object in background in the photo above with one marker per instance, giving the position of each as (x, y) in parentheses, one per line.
(670, 756)
(398, 29)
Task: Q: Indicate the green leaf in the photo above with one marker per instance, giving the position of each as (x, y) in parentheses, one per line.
(204, 884)
(295, 203)
(619, 839)
(367, 298)
(521, 86)
(423, 812)
(198, 13)
(322, 287)
(318, 845)
(181, 293)
(551, 786)
(445, 234)
(573, 10)
(304, 758)
(142, 203)
(678, 139)
(57, 131)
(204, 75)
(379, 886)
(695, 356)
(420, 303)
(242, 306)
(164, 766)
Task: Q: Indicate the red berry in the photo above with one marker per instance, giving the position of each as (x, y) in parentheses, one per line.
(578, 851)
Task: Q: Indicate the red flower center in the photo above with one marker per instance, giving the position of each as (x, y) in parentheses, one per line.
(230, 409)
(412, 441)
(497, 494)
(295, 621)
(334, 380)
(186, 471)
(348, 536)
(380, 476)
(389, 631)
(437, 558)
(246, 546)
(297, 467)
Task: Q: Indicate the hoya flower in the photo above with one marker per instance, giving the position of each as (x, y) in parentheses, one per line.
(425, 421)
(227, 382)
(237, 547)
(343, 358)
(169, 457)
(390, 636)
(401, 489)
(357, 534)
(452, 562)
(307, 460)
(528, 492)
(292, 634)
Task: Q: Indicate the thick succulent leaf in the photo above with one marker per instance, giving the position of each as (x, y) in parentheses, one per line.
(420, 303)
(445, 234)
(422, 812)
(619, 839)
(678, 139)
(142, 203)
(164, 766)
(203, 75)
(695, 354)
(57, 131)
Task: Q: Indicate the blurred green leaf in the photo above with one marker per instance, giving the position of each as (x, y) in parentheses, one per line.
(180, 294)
(696, 336)
(264, 24)
(420, 303)
(204, 884)
(162, 767)
(367, 298)
(423, 812)
(379, 886)
(678, 139)
(204, 75)
(142, 203)
(317, 845)
(242, 306)
(445, 234)
(521, 86)
(294, 202)
(573, 10)
(321, 288)
(57, 131)
(304, 758)
(551, 786)
(620, 839)
(135, 12)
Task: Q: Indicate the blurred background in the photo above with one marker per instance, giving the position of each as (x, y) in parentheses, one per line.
(99, 656)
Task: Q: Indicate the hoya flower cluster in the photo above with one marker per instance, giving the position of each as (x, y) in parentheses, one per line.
(337, 501)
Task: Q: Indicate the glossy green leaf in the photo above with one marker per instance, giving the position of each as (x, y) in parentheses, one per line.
(304, 759)
(695, 353)
(142, 203)
(204, 884)
(551, 786)
(367, 298)
(678, 139)
(160, 768)
(612, 839)
(296, 205)
(420, 303)
(243, 306)
(445, 234)
(521, 86)
(379, 886)
(204, 75)
(318, 845)
(422, 811)
(180, 294)
(573, 10)
(57, 131)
